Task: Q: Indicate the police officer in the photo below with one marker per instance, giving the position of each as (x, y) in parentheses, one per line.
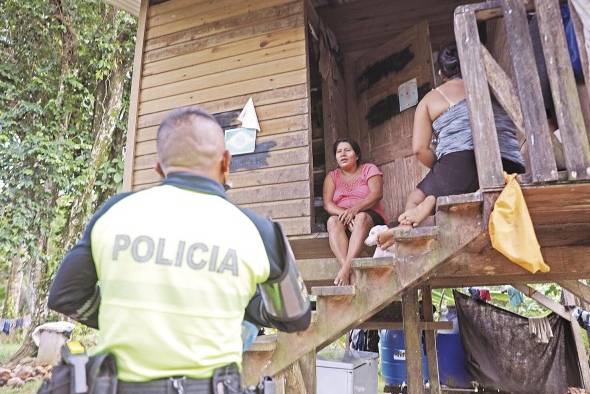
(167, 274)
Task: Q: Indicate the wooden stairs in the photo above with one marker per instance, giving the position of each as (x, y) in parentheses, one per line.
(459, 225)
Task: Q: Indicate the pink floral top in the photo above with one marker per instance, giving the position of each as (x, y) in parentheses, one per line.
(346, 195)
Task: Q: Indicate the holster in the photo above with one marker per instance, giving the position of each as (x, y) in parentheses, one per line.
(101, 377)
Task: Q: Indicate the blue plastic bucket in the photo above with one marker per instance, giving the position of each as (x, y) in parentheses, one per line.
(393, 357)
(451, 355)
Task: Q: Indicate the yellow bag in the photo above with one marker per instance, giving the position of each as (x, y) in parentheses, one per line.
(511, 229)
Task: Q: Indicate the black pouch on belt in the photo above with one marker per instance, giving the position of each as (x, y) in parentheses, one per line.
(226, 380)
(99, 377)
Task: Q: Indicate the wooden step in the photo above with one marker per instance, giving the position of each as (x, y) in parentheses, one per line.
(460, 201)
(264, 343)
(327, 291)
(401, 234)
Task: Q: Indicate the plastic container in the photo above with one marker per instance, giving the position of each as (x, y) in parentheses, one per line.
(451, 354)
(393, 357)
(346, 372)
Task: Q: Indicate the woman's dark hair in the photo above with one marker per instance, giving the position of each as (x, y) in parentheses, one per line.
(355, 147)
(448, 61)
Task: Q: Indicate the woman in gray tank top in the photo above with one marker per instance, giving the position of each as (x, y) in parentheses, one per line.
(444, 115)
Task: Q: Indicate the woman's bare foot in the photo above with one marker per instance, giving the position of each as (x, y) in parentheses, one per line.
(414, 216)
(345, 276)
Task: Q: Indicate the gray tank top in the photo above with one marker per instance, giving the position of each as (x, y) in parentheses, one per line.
(452, 130)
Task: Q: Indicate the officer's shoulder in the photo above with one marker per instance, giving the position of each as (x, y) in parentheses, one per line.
(265, 226)
(110, 202)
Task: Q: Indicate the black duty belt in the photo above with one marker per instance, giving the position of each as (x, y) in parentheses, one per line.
(167, 386)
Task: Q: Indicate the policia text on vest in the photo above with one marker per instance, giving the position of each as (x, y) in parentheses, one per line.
(195, 255)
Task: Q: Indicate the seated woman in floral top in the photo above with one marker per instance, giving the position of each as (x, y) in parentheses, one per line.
(352, 197)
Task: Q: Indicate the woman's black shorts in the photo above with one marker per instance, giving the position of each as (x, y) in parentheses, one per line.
(456, 173)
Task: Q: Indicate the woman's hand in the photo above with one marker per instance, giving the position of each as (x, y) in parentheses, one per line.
(348, 215)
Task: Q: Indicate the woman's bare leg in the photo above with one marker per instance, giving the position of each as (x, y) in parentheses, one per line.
(362, 226)
(338, 240)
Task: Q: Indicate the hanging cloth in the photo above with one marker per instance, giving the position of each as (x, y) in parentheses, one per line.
(511, 229)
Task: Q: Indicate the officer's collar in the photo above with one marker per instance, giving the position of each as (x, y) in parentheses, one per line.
(198, 183)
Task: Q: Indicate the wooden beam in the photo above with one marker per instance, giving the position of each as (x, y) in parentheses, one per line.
(430, 342)
(423, 325)
(542, 299)
(504, 90)
(413, 341)
(134, 97)
(569, 300)
(563, 88)
(485, 137)
(576, 287)
(490, 268)
(543, 166)
(307, 365)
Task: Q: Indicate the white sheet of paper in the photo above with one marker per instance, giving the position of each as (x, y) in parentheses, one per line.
(248, 116)
(240, 140)
(408, 94)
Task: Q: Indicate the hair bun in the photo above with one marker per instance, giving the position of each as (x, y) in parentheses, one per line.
(448, 61)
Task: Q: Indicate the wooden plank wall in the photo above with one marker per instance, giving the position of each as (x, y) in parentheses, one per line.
(217, 54)
(389, 145)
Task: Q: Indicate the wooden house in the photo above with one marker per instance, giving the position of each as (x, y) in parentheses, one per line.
(318, 70)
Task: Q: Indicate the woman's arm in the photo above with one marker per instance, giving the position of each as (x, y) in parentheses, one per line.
(328, 195)
(375, 184)
(422, 135)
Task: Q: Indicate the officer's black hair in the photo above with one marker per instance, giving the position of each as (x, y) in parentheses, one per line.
(180, 116)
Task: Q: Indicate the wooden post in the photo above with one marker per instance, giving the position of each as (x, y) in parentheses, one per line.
(528, 87)
(483, 127)
(412, 338)
(430, 339)
(564, 90)
(307, 365)
(134, 97)
(561, 311)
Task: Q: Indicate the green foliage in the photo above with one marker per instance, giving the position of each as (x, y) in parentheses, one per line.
(54, 58)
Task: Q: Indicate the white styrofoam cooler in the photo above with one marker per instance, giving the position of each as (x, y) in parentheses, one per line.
(347, 372)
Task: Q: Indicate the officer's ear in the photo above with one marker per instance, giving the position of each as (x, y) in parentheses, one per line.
(226, 164)
(159, 170)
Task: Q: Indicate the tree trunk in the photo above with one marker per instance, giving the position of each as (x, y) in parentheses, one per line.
(40, 278)
(108, 107)
(14, 284)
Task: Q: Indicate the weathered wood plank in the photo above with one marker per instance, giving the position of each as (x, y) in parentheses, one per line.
(216, 52)
(265, 176)
(263, 144)
(267, 193)
(223, 9)
(134, 98)
(543, 167)
(412, 335)
(296, 226)
(281, 209)
(222, 77)
(261, 32)
(491, 268)
(263, 55)
(221, 92)
(485, 139)
(238, 25)
(430, 342)
(563, 88)
(262, 101)
(423, 326)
